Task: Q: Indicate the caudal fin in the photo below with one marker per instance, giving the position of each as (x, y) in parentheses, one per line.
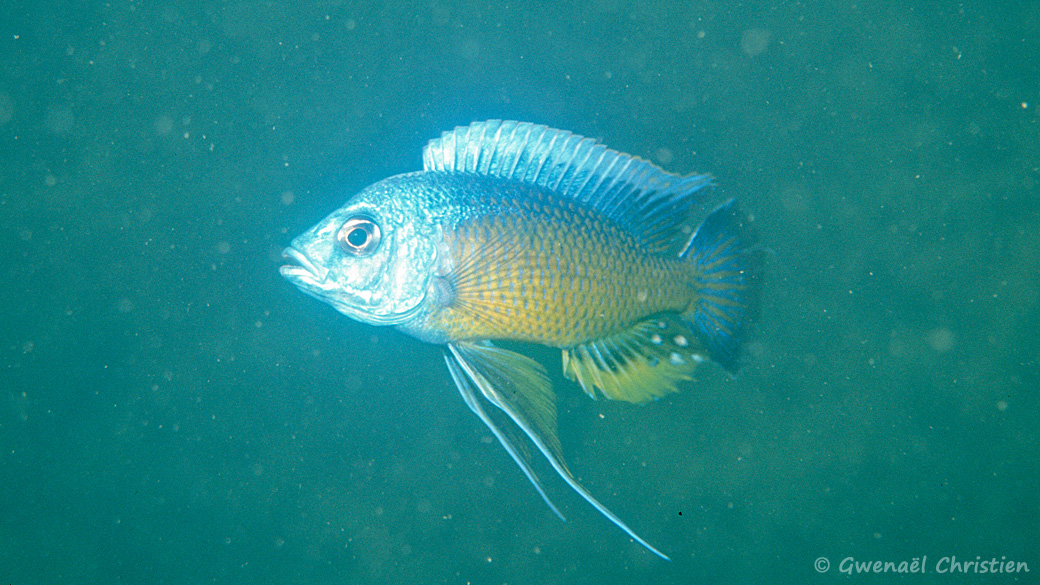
(727, 274)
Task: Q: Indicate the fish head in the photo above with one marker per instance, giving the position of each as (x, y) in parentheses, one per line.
(371, 259)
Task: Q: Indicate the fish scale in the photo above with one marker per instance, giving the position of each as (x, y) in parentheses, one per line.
(555, 279)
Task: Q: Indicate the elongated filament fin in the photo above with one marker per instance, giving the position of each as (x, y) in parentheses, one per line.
(470, 398)
(481, 362)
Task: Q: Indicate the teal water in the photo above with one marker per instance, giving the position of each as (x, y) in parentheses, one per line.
(172, 411)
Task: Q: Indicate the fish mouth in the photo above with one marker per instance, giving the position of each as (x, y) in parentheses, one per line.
(303, 270)
(313, 279)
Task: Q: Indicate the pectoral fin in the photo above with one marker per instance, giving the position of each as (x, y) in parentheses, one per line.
(518, 386)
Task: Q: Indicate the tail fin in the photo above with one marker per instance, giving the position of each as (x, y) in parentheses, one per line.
(727, 275)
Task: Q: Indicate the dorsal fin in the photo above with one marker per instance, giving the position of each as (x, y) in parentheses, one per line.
(653, 203)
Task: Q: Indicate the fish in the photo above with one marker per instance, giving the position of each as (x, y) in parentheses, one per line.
(516, 234)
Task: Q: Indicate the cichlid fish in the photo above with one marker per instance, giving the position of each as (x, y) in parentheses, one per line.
(518, 232)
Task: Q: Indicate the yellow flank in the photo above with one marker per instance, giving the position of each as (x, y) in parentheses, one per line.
(547, 271)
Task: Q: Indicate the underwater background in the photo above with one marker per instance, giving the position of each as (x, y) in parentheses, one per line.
(172, 411)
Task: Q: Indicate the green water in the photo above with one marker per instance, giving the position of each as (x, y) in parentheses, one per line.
(172, 411)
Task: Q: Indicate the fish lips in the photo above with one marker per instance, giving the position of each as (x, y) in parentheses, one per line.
(313, 279)
(303, 271)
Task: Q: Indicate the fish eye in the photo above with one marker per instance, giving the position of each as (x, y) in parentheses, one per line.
(359, 236)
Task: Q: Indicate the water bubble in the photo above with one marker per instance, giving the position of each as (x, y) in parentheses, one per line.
(755, 41)
(59, 120)
(942, 340)
(163, 125)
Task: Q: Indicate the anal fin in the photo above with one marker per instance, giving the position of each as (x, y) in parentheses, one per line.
(641, 364)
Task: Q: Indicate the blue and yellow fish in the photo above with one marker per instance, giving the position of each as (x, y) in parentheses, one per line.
(520, 233)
